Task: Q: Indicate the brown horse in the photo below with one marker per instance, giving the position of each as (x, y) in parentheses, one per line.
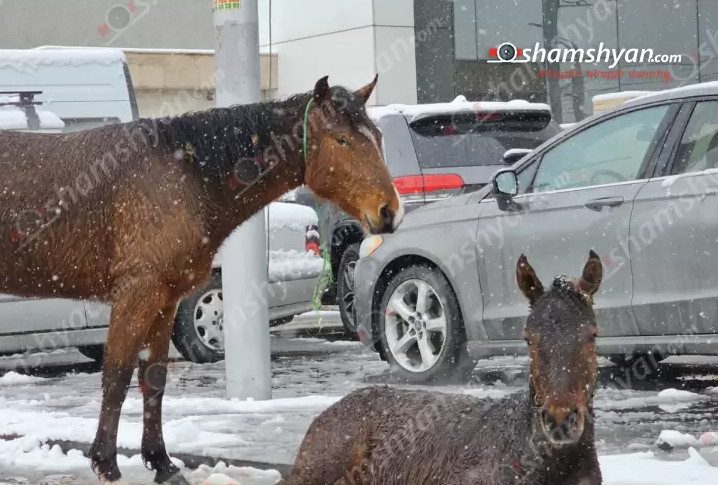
(544, 436)
(133, 215)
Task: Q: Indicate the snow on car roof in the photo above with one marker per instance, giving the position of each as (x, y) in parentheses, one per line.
(459, 105)
(620, 95)
(23, 58)
(14, 118)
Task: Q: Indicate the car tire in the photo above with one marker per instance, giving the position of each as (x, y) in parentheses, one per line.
(94, 352)
(198, 330)
(407, 342)
(345, 288)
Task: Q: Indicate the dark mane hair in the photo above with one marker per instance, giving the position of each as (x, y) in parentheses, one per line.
(214, 140)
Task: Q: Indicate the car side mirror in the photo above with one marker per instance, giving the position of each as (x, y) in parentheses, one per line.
(514, 155)
(505, 184)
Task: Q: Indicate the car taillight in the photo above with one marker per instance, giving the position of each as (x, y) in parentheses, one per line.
(431, 187)
(312, 239)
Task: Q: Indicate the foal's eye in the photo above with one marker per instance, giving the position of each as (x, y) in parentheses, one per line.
(342, 141)
(592, 337)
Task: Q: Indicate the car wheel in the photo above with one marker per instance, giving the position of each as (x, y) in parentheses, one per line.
(420, 326)
(94, 352)
(198, 333)
(345, 288)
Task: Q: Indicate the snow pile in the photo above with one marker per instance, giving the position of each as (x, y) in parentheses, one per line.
(459, 105)
(670, 439)
(24, 60)
(645, 469)
(28, 456)
(13, 378)
(293, 265)
(601, 98)
(14, 118)
(284, 215)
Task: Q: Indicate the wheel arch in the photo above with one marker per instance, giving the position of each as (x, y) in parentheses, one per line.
(343, 235)
(391, 269)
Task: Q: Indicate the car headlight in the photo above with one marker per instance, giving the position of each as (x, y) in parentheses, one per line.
(369, 245)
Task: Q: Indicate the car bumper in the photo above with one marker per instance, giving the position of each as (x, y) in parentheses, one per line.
(366, 275)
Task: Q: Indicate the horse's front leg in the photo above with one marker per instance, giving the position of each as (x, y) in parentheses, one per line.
(136, 304)
(152, 375)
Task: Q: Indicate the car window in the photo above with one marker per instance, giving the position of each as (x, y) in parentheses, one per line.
(477, 140)
(698, 149)
(609, 152)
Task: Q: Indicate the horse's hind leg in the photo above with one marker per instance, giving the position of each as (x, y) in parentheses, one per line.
(136, 304)
(152, 374)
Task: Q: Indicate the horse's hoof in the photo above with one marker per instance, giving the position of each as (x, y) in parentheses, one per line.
(176, 479)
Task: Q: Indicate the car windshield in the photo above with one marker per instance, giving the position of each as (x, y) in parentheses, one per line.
(477, 140)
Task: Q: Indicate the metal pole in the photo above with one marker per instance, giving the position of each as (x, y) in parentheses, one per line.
(244, 264)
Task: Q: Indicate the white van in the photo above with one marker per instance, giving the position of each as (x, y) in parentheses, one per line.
(84, 87)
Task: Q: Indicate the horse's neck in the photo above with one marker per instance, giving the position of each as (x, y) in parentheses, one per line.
(279, 154)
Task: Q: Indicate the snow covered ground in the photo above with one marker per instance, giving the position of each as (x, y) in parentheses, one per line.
(313, 374)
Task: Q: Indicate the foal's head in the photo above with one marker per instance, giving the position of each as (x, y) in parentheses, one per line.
(344, 157)
(561, 335)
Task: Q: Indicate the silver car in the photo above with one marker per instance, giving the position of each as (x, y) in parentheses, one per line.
(639, 185)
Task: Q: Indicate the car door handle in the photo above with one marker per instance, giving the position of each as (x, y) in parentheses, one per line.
(599, 204)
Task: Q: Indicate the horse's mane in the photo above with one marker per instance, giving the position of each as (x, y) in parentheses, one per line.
(214, 140)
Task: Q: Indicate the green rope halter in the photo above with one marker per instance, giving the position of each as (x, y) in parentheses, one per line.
(325, 279)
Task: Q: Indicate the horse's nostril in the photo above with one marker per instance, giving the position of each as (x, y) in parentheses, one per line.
(387, 215)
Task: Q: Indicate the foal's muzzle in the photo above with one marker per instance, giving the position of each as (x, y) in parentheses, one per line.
(562, 426)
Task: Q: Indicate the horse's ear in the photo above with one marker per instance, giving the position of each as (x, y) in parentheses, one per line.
(528, 281)
(321, 90)
(364, 92)
(590, 279)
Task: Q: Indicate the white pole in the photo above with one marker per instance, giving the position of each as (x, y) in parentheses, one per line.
(244, 264)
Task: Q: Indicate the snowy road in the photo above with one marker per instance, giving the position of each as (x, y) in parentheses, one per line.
(309, 375)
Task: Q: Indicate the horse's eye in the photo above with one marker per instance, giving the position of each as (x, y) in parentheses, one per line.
(342, 141)
(592, 337)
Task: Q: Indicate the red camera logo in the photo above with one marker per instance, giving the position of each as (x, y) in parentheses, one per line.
(121, 16)
(506, 52)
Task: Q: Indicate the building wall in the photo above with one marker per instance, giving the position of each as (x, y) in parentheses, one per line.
(182, 24)
(349, 40)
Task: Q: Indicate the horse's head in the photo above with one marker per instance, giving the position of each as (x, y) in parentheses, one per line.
(344, 161)
(561, 335)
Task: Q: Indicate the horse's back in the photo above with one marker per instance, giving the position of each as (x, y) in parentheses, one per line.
(385, 435)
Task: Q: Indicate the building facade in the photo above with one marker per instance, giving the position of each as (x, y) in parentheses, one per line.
(424, 50)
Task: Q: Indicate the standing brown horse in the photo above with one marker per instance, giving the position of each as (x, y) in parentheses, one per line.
(543, 436)
(133, 215)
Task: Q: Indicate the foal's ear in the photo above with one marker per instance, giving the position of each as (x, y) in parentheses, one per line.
(364, 92)
(321, 90)
(529, 283)
(590, 279)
